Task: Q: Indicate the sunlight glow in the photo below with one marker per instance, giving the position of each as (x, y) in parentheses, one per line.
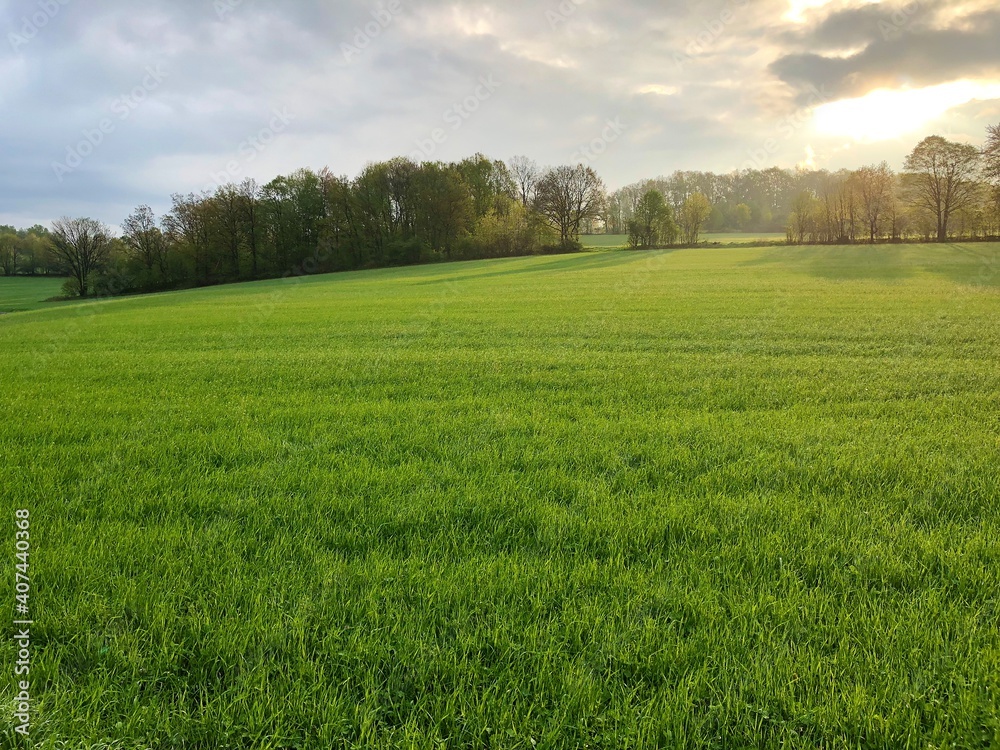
(659, 90)
(797, 8)
(886, 114)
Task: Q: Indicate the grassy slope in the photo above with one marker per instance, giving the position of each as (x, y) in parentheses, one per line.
(22, 293)
(692, 499)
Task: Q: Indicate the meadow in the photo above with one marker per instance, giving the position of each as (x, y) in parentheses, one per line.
(685, 499)
(21, 294)
(619, 241)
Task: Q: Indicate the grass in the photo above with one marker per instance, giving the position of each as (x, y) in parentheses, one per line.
(739, 498)
(743, 238)
(604, 241)
(23, 293)
(618, 241)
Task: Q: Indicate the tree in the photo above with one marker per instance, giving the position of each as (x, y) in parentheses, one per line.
(525, 174)
(875, 186)
(804, 221)
(567, 196)
(490, 183)
(653, 223)
(187, 225)
(445, 206)
(82, 247)
(33, 251)
(743, 216)
(694, 214)
(143, 240)
(250, 202)
(991, 154)
(9, 242)
(941, 178)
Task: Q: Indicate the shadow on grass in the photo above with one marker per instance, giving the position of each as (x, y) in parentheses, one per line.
(974, 264)
(843, 263)
(575, 262)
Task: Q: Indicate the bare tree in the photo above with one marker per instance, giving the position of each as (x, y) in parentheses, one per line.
(941, 178)
(568, 196)
(875, 186)
(82, 246)
(991, 154)
(525, 173)
(144, 240)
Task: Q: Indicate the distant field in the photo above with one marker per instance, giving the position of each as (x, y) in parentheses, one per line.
(727, 499)
(27, 293)
(742, 237)
(610, 241)
(604, 241)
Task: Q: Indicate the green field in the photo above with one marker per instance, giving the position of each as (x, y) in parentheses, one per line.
(604, 241)
(743, 238)
(22, 293)
(615, 241)
(692, 499)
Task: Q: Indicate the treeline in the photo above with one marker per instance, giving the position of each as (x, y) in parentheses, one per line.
(394, 213)
(400, 212)
(947, 190)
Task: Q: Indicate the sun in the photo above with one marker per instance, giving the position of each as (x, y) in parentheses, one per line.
(886, 114)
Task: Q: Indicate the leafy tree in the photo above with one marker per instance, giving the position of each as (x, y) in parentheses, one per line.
(188, 227)
(653, 222)
(743, 215)
(33, 251)
(942, 179)
(445, 207)
(229, 214)
(83, 247)
(490, 183)
(9, 242)
(694, 214)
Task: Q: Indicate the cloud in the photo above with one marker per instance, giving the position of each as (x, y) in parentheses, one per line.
(899, 46)
(697, 85)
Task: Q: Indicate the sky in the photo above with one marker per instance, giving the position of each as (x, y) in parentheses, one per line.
(105, 106)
